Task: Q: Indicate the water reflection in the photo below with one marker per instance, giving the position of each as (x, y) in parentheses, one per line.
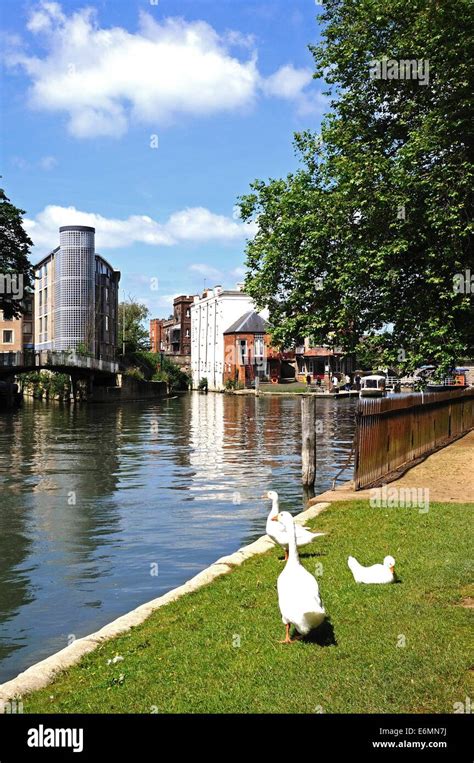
(91, 497)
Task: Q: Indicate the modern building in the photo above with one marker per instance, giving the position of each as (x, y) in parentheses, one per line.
(16, 334)
(212, 314)
(76, 296)
(172, 336)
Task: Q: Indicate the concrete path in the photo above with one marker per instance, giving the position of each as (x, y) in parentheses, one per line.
(448, 473)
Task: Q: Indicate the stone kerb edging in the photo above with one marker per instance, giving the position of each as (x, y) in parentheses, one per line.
(43, 672)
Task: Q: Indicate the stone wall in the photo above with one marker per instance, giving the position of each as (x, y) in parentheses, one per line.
(129, 389)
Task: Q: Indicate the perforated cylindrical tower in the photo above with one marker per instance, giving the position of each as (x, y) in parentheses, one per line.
(74, 298)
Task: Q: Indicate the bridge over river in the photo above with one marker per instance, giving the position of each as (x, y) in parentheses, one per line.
(94, 371)
(67, 362)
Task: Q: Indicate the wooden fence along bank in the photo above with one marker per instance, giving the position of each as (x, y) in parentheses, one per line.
(392, 433)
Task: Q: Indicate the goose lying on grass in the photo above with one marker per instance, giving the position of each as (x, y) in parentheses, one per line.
(298, 591)
(378, 573)
(277, 532)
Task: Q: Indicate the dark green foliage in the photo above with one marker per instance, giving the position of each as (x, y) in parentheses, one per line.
(137, 337)
(42, 384)
(14, 250)
(375, 227)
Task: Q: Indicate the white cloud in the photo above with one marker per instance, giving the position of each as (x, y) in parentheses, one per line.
(293, 85)
(199, 224)
(191, 224)
(42, 19)
(104, 79)
(288, 82)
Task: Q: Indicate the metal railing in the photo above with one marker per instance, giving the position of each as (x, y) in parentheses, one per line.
(53, 358)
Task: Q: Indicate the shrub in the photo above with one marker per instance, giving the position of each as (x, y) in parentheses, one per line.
(82, 350)
(42, 384)
(135, 373)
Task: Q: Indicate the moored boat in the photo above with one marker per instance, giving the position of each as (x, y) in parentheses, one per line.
(372, 386)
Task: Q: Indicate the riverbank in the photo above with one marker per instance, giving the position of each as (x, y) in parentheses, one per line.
(295, 389)
(448, 475)
(389, 649)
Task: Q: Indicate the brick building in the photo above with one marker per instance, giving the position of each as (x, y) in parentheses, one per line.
(17, 334)
(248, 352)
(172, 335)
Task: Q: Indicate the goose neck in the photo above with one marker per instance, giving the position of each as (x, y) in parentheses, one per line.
(293, 556)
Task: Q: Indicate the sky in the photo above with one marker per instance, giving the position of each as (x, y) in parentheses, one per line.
(148, 119)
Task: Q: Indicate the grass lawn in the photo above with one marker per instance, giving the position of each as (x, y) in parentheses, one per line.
(399, 648)
(295, 387)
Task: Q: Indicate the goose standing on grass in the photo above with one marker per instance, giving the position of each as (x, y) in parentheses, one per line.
(277, 532)
(298, 591)
(378, 573)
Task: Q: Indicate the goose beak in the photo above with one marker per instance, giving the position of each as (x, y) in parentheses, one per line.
(391, 568)
(275, 519)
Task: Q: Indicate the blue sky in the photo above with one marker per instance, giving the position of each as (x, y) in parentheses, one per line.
(148, 120)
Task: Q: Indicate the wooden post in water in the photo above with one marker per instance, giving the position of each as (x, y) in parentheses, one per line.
(308, 437)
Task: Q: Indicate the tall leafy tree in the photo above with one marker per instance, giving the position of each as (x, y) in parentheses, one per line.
(374, 231)
(136, 334)
(16, 272)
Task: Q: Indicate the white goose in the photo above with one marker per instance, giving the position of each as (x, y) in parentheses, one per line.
(298, 591)
(277, 531)
(377, 573)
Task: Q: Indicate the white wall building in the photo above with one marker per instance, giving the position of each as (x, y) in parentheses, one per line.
(211, 315)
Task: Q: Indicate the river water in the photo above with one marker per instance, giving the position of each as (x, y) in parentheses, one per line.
(104, 507)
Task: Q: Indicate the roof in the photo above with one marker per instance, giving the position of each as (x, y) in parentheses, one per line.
(248, 323)
(77, 227)
(46, 257)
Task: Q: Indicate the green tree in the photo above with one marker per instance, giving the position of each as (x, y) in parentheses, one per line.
(15, 268)
(373, 231)
(137, 336)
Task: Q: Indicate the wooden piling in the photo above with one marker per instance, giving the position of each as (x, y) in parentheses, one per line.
(308, 438)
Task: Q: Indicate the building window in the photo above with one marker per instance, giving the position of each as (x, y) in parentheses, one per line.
(187, 333)
(243, 355)
(106, 322)
(7, 337)
(188, 314)
(259, 345)
(41, 299)
(27, 328)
